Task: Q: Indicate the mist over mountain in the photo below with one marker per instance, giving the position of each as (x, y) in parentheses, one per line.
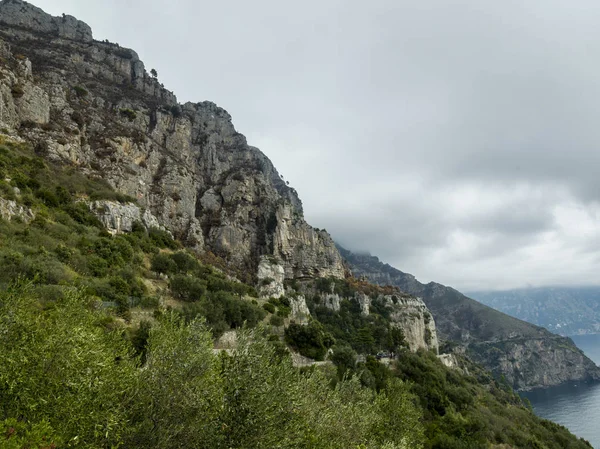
(563, 310)
(160, 285)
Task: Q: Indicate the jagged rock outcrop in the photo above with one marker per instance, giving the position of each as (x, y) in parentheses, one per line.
(413, 317)
(448, 360)
(535, 362)
(364, 301)
(527, 356)
(332, 301)
(93, 105)
(20, 14)
(300, 313)
(10, 210)
(406, 312)
(271, 275)
(118, 217)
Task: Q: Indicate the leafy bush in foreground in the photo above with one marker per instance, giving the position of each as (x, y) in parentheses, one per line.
(68, 376)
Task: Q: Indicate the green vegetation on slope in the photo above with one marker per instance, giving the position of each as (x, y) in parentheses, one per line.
(66, 247)
(66, 372)
(79, 368)
(462, 409)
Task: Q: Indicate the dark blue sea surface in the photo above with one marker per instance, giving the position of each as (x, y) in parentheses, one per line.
(576, 407)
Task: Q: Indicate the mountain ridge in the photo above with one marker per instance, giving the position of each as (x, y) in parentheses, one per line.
(564, 310)
(131, 220)
(525, 354)
(92, 104)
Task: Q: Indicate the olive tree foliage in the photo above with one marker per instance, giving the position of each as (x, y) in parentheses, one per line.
(180, 389)
(60, 366)
(268, 403)
(400, 417)
(68, 378)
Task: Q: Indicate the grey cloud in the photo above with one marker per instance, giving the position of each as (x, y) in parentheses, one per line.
(448, 138)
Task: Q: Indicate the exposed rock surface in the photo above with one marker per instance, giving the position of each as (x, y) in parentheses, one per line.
(92, 104)
(364, 301)
(448, 360)
(527, 356)
(406, 312)
(332, 301)
(118, 218)
(270, 278)
(413, 317)
(17, 13)
(300, 312)
(10, 210)
(227, 341)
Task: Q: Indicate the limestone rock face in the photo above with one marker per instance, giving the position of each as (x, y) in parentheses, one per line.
(10, 209)
(365, 303)
(270, 278)
(118, 218)
(332, 301)
(300, 313)
(528, 356)
(18, 13)
(306, 251)
(93, 105)
(520, 362)
(449, 361)
(407, 312)
(413, 317)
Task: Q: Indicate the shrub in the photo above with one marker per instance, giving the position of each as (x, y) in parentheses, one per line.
(16, 434)
(97, 266)
(324, 285)
(184, 261)
(162, 239)
(276, 320)
(269, 307)
(64, 370)
(311, 341)
(283, 311)
(176, 111)
(80, 91)
(115, 250)
(162, 263)
(238, 312)
(48, 197)
(130, 114)
(17, 90)
(344, 357)
(187, 288)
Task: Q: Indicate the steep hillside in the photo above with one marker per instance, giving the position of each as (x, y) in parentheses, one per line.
(92, 105)
(107, 326)
(527, 356)
(564, 310)
(155, 272)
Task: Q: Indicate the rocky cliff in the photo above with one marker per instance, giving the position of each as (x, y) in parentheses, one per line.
(400, 310)
(92, 104)
(405, 312)
(528, 356)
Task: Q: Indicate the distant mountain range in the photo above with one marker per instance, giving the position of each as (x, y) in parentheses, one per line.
(563, 310)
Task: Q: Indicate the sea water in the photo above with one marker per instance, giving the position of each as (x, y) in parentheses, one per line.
(576, 406)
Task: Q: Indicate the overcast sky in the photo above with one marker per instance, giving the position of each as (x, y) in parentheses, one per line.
(457, 140)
